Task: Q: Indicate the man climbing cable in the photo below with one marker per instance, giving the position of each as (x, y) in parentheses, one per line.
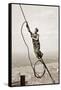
(35, 40)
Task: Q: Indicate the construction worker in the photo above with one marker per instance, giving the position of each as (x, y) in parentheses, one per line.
(35, 40)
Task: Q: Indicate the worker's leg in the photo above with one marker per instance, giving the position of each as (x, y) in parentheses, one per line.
(40, 54)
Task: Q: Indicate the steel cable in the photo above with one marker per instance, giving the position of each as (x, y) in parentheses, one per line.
(41, 60)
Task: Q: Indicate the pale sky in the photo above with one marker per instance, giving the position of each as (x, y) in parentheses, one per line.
(45, 19)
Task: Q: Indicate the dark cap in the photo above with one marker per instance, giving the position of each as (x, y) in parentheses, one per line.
(36, 29)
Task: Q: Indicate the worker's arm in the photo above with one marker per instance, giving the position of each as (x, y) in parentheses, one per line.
(35, 38)
(28, 28)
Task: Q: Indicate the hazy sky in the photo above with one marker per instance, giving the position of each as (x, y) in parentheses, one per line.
(45, 19)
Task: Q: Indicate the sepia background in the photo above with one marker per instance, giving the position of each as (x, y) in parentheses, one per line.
(46, 20)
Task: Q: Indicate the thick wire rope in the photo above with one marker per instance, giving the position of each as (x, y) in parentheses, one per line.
(41, 60)
(36, 75)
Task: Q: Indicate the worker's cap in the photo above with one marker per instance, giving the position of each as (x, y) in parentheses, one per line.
(36, 29)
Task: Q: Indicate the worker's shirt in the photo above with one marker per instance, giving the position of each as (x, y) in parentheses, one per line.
(35, 40)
